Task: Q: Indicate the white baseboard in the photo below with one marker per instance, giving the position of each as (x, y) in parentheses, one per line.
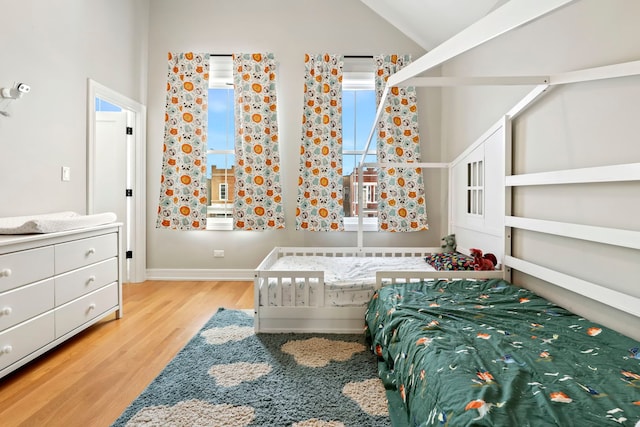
(200, 274)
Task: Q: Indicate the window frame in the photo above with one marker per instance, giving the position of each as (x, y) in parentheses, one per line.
(359, 75)
(221, 77)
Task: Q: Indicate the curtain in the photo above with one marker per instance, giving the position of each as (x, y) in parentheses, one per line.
(320, 179)
(400, 191)
(258, 194)
(183, 186)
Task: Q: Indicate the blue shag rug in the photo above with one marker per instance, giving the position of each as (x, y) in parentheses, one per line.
(229, 376)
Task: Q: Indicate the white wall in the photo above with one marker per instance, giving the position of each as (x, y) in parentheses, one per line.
(55, 46)
(581, 125)
(289, 29)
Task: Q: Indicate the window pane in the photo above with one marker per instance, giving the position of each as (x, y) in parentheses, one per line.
(348, 119)
(366, 112)
(358, 112)
(220, 136)
(220, 128)
(349, 162)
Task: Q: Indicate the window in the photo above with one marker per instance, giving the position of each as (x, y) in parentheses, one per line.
(220, 141)
(222, 189)
(358, 113)
(475, 188)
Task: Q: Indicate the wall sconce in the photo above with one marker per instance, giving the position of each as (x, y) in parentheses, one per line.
(15, 92)
(9, 93)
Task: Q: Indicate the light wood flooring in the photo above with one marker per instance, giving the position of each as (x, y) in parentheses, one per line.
(90, 379)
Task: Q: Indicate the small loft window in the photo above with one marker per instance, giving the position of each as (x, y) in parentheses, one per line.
(475, 188)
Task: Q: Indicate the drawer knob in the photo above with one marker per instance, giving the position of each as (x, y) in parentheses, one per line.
(6, 311)
(91, 251)
(7, 349)
(5, 272)
(92, 306)
(91, 279)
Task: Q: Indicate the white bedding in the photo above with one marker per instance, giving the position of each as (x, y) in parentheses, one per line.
(53, 222)
(349, 281)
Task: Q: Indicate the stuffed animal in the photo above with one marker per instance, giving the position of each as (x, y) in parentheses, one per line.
(483, 262)
(449, 244)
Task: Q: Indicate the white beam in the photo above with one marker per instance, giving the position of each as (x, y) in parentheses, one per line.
(407, 165)
(606, 235)
(476, 81)
(610, 297)
(615, 173)
(624, 69)
(511, 15)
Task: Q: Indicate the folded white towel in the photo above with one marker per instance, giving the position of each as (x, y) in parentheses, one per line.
(53, 222)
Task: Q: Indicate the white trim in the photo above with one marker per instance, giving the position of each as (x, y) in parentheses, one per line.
(200, 274)
(610, 297)
(527, 101)
(138, 216)
(476, 81)
(478, 142)
(615, 173)
(368, 223)
(336, 320)
(625, 69)
(609, 236)
(407, 165)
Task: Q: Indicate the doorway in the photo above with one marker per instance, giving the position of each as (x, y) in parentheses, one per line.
(115, 169)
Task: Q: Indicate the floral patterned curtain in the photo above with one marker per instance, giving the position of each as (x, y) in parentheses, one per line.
(258, 194)
(401, 196)
(183, 187)
(320, 180)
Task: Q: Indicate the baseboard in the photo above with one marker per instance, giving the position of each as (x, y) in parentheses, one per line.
(199, 274)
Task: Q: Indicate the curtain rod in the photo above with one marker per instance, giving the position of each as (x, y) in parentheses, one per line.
(346, 56)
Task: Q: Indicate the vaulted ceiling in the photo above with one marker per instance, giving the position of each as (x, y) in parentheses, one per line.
(431, 22)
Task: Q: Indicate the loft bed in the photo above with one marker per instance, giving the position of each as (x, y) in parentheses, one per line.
(491, 352)
(492, 231)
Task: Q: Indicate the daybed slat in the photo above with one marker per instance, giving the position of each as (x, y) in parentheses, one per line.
(307, 288)
(385, 277)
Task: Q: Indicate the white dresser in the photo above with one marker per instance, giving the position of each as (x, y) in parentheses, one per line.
(53, 286)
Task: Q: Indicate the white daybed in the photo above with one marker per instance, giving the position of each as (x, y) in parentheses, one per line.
(332, 285)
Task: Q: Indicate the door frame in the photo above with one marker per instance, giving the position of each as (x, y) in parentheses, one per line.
(138, 114)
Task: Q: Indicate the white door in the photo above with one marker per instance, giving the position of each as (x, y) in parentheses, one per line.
(112, 169)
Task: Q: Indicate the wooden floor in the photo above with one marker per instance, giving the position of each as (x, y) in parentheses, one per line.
(90, 379)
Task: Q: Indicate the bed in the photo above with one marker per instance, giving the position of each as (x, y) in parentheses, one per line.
(332, 285)
(485, 352)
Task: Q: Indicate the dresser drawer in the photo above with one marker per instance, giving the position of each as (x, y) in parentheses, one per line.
(24, 339)
(72, 255)
(20, 268)
(76, 283)
(26, 302)
(86, 308)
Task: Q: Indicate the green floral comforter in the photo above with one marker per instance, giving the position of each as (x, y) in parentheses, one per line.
(488, 353)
